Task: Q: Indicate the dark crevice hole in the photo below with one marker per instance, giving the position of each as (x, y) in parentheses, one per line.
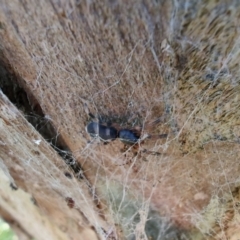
(10, 86)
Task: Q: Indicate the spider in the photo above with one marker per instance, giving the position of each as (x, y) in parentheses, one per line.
(129, 137)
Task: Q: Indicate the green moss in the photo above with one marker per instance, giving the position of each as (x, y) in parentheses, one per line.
(6, 232)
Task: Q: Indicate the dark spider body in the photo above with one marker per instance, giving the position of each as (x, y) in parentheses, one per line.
(105, 133)
(128, 137)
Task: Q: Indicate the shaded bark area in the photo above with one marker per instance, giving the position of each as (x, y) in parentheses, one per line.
(131, 63)
(27, 195)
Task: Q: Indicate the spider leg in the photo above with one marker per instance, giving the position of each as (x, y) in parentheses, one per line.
(151, 152)
(91, 115)
(95, 118)
(124, 149)
(159, 136)
(91, 141)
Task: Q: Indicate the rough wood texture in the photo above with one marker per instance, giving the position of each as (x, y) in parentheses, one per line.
(133, 62)
(27, 163)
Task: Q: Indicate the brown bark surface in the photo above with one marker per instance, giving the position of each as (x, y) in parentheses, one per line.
(27, 197)
(129, 63)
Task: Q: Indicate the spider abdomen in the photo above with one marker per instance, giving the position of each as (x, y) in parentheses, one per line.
(127, 136)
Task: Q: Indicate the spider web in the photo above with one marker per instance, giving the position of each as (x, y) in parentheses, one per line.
(182, 74)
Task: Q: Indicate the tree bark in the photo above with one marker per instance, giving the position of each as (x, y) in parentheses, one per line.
(129, 63)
